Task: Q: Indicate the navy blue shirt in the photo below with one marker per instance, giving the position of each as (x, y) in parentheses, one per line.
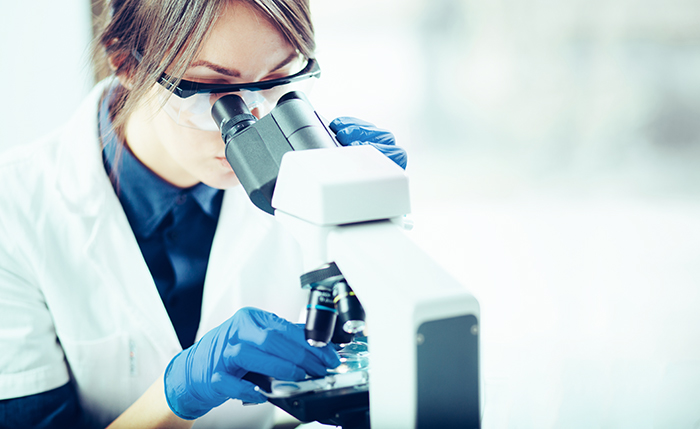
(174, 228)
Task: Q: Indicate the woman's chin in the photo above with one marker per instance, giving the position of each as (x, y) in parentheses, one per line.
(225, 180)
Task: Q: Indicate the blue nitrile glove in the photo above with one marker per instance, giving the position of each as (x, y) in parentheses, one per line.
(207, 374)
(355, 132)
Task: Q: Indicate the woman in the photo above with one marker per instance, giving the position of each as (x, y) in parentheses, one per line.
(122, 258)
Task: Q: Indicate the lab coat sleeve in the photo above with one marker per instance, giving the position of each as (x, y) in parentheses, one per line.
(31, 359)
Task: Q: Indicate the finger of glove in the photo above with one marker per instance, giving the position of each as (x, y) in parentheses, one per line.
(284, 339)
(292, 345)
(233, 387)
(252, 324)
(250, 358)
(370, 135)
(250, 316)
(394, 153)
(341, 122)
(293, 348)
(348, 129)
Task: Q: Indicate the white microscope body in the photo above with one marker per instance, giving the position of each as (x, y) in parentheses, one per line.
(346, 205)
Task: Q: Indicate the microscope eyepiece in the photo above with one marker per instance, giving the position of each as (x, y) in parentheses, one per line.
(231, 115)
(293, 95)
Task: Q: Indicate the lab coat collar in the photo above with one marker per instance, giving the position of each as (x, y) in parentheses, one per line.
(85, 189)
(80, 175)
(145, 196)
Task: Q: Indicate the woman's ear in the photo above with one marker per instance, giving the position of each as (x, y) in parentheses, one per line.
(118, 63)
(122, 76)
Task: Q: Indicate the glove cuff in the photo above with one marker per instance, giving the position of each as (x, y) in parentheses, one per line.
(181, 402)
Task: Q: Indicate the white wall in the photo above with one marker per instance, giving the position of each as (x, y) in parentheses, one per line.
(44, 65)
(553, 155)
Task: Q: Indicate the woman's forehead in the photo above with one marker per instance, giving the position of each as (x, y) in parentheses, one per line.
(242, 41)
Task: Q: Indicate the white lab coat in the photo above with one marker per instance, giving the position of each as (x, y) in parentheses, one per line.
(77, 301)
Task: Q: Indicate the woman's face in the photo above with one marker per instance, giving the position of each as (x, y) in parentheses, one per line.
(242, 47)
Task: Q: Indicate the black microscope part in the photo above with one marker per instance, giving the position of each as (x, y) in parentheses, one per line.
(320, 316)
(347, 304)
(255, 148)
(319, 275)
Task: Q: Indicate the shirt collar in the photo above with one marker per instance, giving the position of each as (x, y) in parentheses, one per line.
(145, 196)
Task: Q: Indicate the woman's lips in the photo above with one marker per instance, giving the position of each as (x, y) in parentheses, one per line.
(224, 162)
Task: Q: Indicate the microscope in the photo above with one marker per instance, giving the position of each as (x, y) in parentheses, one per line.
(346, 207)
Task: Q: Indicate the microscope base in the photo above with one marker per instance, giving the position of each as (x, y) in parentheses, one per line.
(347, 407)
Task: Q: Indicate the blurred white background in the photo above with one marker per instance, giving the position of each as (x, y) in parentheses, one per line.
(45, 68)
(553, 150)
(552, 147)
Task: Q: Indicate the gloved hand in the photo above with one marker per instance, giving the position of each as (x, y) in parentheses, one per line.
(355, 132)
(207, 374)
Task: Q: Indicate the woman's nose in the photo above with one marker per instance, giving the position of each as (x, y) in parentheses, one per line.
(259, 111)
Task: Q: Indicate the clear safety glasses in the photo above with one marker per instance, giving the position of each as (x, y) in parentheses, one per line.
(190, 103)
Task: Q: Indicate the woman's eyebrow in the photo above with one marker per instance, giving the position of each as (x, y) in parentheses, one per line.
(293, 56)
(235, 73)
(217, 68)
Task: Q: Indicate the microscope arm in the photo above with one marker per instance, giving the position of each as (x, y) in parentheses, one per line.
(422, 325)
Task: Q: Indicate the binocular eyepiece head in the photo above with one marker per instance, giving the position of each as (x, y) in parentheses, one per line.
(255, 147)
(232, 114)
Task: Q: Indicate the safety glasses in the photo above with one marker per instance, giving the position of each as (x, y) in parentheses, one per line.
(185, 88)
(189, 104)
